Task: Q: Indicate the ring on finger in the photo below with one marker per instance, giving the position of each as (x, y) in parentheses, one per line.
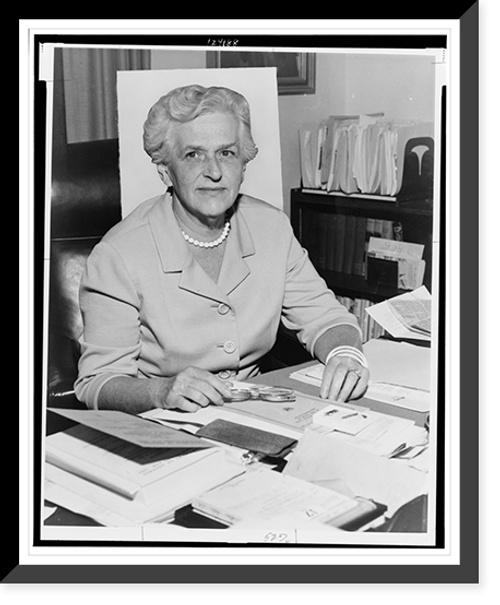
(355, 371)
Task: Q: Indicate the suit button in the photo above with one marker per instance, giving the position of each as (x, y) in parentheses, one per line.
(229, 346)
(223, 309)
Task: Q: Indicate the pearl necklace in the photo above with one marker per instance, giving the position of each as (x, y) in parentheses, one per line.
(214, 243)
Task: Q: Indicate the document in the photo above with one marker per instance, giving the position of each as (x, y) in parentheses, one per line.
(344, 420)
(399, 363)
(321, 459)
(400, 374)
(296, 414)
(192, 422)
(265, 496)
(405, 316)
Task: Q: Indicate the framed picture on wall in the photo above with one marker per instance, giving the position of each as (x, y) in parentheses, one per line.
(296, 71)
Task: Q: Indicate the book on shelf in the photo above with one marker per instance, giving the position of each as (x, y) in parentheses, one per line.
(340, 242)
(331, 228)
(359, 246)
(265, 496)
(340, 227)
(322, 235)
(349, 243)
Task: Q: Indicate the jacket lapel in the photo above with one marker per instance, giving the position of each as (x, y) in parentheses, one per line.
(239, 245)
(175, 256)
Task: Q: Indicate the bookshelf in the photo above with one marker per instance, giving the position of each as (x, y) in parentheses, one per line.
(313, 216)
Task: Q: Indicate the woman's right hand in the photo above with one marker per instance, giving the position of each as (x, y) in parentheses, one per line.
(192, 389)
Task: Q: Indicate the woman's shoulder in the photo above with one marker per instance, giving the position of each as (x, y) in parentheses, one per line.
(252, 205)
(136, 219)
(264, 220)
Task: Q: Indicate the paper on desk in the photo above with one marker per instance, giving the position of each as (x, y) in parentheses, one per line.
(395, 371)
(322, 458)
(406, 397)
(344, 420)
(61, 496)
(113, 509)
(389, 435)
(193, 421)
(296, 415)
(133, 429)
(399, 363)
(389, 320)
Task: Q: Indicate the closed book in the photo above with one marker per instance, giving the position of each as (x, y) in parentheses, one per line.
(387, 231)
(349, 243)
(359, 246)
(248, 438)
(322, 235)
(338, 261)
(310, 240)
(370, 232)
(331, 221)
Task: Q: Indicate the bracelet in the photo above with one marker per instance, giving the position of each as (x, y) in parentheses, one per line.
(348, 351)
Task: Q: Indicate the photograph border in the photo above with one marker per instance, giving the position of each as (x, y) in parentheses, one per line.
(467, 570)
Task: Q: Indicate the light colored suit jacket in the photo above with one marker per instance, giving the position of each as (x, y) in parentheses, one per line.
(150, 310)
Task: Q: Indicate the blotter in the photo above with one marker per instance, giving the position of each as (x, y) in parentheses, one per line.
(248, 438)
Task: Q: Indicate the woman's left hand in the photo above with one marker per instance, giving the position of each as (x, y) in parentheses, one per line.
(344, 379)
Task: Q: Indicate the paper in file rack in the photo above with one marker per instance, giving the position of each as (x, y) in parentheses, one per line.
(408, 256)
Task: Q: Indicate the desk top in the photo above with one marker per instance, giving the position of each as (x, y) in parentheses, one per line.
(279, 377)
(282, 378)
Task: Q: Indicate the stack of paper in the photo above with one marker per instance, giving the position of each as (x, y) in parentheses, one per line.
(327, 460)
(408, 256)
(263, 497)
(113, 469)
(400, 374)
(377, 433)
(358, 153)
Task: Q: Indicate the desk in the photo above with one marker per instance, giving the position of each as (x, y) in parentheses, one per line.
(282, 378)
(413, 518)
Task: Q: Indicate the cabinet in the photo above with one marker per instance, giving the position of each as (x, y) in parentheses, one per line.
(313, 214)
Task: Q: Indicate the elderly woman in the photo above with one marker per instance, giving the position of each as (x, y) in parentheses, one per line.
(187, 292)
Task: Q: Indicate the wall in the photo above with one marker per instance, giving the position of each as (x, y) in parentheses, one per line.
(329, 97)
(400, 86)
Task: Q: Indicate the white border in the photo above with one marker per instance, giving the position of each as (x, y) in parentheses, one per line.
(69, 556)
